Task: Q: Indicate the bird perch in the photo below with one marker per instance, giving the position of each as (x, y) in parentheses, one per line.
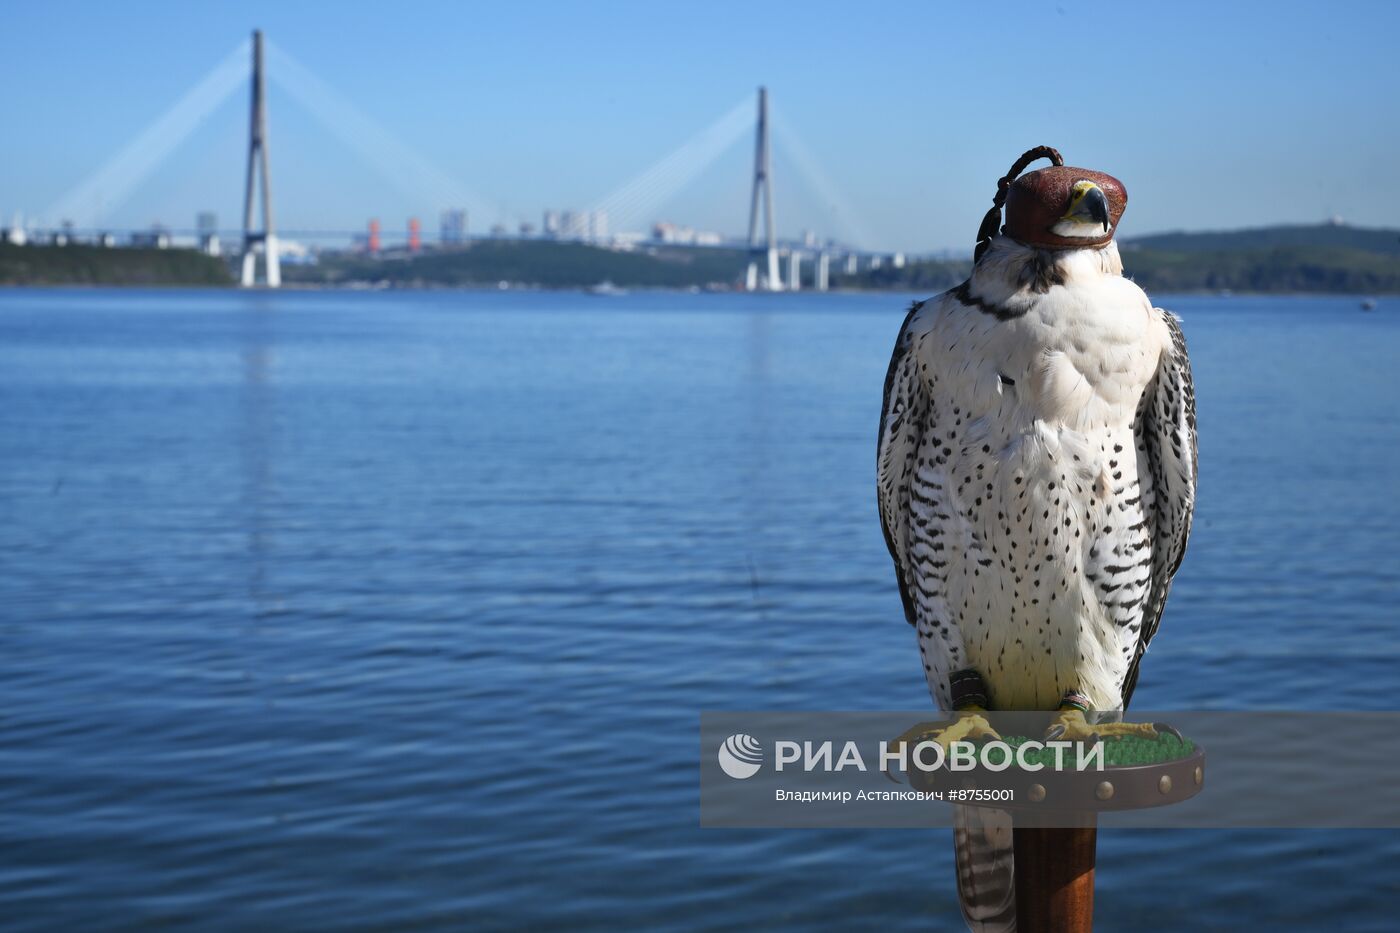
(1055, 823)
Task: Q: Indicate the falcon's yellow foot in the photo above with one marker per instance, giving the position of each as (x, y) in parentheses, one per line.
(968, 725)
(1071, 726)
(968, 694)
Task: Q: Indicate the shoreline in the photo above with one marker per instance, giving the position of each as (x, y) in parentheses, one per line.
(621, 290)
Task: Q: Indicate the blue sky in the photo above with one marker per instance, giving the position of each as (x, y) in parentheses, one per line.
(1217, 115)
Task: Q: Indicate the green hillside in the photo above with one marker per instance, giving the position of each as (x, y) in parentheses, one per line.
(96, 265)
(1313, 258)
(1324, 258)
(1314, 236)
(1282, 269)
(545, 263)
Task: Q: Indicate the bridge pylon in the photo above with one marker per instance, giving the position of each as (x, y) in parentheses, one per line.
(257, 159)
(762, 171)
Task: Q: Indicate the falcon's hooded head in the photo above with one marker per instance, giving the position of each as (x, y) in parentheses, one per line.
(1063, 207)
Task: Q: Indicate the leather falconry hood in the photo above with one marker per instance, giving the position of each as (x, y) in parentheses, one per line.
(1036, 201)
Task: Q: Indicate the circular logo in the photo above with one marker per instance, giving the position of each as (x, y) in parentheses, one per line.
(741, 756)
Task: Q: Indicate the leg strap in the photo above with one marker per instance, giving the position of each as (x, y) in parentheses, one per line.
(966, 688)
(1075, 700)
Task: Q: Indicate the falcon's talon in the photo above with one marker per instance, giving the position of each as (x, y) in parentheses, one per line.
(967, 726)
(1071, 725)
(1165, 729)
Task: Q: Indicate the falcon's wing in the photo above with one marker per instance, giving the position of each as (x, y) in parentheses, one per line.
(901, 427)
(981, 837)
(1166, 433)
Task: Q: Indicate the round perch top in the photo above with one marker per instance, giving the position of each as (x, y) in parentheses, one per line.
(1038, 201)
(1137, 774)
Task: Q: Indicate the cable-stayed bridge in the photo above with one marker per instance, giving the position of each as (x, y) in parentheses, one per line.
(776, 264)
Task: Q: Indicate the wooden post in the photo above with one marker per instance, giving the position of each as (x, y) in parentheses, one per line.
(1055, 879)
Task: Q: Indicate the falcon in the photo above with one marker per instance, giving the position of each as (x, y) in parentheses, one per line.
(1036, 480)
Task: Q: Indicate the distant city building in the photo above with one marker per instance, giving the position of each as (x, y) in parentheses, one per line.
(590, 226)
(527, 229)
(372, 239)
(627, 240)
(207, 223)
(290, 251)
(415, 235)
(684, 236)
(14, 234)
(106, 239)
(499, 230)
(453, 227)
(156, 238)
(897, 260)
(573, 225)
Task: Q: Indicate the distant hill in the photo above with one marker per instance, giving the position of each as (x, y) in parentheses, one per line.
(1282, 269)
(546, 263)
(97, 265)
(1320, 258)
(1311, 236)
(1312, 258)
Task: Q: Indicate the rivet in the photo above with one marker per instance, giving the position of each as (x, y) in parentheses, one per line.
(1104, 791)
(1200, 775)
(1037, 793)
(1165, 784)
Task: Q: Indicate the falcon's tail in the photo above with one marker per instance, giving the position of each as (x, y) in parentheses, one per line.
(986, 883)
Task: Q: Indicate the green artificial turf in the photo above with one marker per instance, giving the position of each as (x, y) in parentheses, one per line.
(1118, 752)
